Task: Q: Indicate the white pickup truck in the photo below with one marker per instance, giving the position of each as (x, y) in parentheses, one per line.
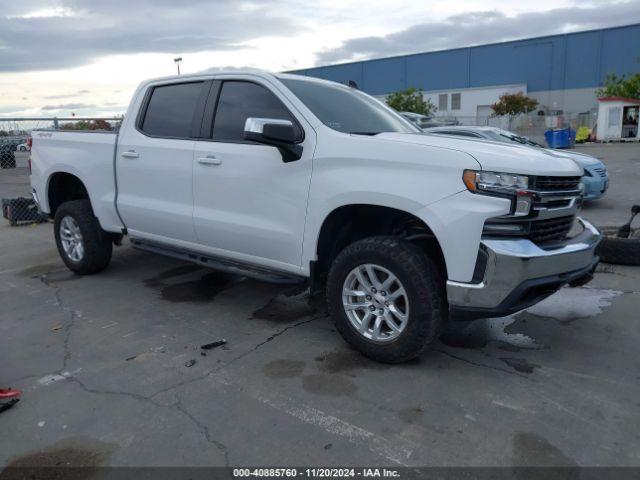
(293, 179)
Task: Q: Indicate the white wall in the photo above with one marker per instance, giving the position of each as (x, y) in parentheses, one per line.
(472, 98)
(576, 100)
(476, 102)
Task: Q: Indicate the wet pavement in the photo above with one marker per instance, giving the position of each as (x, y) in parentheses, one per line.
(102, 361)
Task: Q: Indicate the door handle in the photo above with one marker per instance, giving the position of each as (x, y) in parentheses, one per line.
(130, 154)
(211, 160)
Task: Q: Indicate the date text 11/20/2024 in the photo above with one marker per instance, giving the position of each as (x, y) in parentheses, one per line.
(315, 473)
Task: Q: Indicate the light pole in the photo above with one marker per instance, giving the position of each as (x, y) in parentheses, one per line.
(177, 62)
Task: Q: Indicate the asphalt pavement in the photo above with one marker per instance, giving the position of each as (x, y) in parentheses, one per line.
(113, 373)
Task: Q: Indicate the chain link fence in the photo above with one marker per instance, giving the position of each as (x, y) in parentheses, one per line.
(530, 125)
(17, 206)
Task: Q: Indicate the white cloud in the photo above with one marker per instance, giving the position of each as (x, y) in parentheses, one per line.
(486, 26)
(51, 53)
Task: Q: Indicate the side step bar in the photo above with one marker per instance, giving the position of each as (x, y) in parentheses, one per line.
(216, 263)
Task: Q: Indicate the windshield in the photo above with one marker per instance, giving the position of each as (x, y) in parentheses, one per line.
(509, 137)
(346, 109)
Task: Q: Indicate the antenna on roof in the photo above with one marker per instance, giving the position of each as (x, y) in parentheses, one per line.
(353, 84)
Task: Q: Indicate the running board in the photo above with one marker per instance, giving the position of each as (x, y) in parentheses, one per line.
(216, 263)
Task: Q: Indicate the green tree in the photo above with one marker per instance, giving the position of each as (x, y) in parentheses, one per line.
(411, 100)
(97, 124)
(623, 86)
(514, 104)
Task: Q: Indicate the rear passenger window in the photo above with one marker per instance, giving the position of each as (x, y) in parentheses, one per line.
(170, 110)
(241, 100)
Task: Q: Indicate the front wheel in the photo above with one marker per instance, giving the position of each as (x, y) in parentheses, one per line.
(84, 247)
(387, 298)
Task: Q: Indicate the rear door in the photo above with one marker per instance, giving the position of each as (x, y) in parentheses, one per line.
(248, 203)
(155, 162)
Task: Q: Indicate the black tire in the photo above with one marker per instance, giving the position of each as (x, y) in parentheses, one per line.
(96, 242)
(619, 251)
(422, 280)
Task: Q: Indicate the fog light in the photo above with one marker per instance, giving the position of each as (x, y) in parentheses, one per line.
(497, 228)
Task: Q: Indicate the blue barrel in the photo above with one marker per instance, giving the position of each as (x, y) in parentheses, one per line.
(559, 138)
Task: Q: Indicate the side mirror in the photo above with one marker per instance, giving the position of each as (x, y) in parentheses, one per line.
(274, 132)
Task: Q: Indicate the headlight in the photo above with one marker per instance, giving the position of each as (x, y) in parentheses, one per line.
(503, 184)
(494, 182)
(587, 173)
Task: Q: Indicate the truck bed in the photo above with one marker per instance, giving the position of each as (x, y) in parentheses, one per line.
(89, 156)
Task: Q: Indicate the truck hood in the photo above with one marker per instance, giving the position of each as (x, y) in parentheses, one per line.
(497, 156)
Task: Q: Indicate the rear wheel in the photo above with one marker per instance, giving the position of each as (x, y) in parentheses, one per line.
(387, 298)
(84, 247)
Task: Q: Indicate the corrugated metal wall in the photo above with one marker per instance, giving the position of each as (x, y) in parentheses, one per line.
(576, 60)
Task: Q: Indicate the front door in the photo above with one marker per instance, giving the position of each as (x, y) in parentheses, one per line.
(248, 203)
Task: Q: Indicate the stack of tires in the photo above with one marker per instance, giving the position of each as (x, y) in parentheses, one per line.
(619, 251)
(621, 246)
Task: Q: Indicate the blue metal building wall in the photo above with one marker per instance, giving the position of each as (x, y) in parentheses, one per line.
(574, 60)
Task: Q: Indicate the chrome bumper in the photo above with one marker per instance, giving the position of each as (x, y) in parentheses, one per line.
(518, 273)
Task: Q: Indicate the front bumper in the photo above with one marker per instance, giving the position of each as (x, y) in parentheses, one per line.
(519, 274)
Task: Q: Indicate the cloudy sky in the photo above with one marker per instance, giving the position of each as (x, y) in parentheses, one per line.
(86, 56)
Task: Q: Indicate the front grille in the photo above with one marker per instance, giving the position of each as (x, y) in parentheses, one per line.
(551, 196)
(545, 232)
(553, 184)
(550, 230)
(601, 171)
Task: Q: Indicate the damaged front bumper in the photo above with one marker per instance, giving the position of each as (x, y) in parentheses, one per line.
(518, 274)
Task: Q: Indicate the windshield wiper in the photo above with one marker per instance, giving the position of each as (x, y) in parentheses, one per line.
(514, 138)
(365, 133)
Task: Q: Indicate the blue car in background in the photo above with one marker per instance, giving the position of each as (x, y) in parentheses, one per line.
(595, 179)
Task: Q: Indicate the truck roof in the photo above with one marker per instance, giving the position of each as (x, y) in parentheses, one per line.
(236, 71)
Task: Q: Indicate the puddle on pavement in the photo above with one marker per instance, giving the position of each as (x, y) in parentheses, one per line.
(203, 289)
(330, 385)
(566, 306)
(480, 333)
(571, 304)
(40, 270)
(411, 415)
(346, 361)
(287, 307)
(74, 452)
(53, 278)
(278, 369)
(159, 279)
(530, 449)
(521, 365)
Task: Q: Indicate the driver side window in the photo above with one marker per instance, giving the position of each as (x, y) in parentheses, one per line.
(240, 100)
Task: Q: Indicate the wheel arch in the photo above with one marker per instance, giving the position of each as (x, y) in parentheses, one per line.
(349, 223)
(63, 186)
